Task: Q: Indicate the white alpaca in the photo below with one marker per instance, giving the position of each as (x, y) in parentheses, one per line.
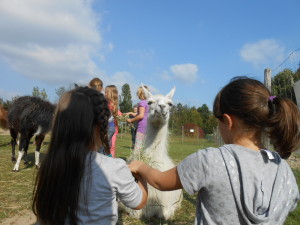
(159, 204)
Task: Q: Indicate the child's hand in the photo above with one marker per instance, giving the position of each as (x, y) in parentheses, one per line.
(134, 166)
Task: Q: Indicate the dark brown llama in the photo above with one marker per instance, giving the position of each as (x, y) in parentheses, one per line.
(29, 116)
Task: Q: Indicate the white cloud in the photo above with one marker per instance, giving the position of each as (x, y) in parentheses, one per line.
(186, 73)
(264, 52)
(51, 40)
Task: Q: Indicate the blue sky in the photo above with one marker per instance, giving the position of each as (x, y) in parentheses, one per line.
(197, 46)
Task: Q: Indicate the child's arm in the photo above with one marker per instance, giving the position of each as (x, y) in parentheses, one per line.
(143, 186)
(139, 116)
(164, 181)
(130, 113)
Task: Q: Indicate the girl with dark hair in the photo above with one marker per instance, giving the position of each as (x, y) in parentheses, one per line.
(240, 182)
(75, 184)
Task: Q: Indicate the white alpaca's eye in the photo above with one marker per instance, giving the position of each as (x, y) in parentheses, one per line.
(149, 103)
(170, 104)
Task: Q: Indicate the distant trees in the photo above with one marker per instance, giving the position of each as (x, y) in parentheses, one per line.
(125, 101)
(59, 91)
(179, 116)
(202, 117)
(283, 82)
(39, 93)
(6, 103)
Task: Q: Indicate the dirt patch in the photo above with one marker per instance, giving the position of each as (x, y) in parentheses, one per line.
(26, 217)
(4, 132)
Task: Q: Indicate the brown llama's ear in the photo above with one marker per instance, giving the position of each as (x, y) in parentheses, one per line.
(171, 93)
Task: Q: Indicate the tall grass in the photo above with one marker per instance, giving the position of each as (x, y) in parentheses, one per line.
(16, 188)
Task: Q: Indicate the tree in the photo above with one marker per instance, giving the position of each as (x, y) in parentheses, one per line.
(40, 94)
(204, 112)
(59, 91)
(125, 99)
(283, 82)
(7, 103)
(209, 121)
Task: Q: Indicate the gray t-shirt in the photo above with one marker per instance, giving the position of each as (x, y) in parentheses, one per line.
(237, 185)
(110, 179)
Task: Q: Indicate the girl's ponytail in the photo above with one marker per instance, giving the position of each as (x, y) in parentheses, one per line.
(283, 125)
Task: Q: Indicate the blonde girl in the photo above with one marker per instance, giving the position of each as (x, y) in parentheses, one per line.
(141, 118)
(111, 94)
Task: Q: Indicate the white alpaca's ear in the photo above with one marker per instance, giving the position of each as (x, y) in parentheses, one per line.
(171, 93)
(147, 93)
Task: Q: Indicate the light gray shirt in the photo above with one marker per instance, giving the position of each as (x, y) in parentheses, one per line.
(236, 185)
(110, 179)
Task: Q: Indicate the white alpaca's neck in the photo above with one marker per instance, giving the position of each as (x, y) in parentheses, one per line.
(156, 145)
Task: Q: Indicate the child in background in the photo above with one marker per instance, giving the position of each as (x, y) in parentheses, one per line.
(75, 184)
(240, 182)
(96, 84)
(111, 94)
(133, 126)
(141, 118)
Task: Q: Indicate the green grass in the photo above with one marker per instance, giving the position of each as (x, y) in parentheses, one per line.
(16, 188)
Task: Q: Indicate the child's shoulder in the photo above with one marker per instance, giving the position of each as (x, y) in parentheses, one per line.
(208, 154)
(106, 161)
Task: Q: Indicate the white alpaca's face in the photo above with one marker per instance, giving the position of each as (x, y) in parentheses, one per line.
(159, 107)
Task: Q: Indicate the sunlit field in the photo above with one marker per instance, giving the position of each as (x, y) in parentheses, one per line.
(16, 187)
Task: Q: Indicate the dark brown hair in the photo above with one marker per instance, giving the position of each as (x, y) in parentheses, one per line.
(250, 100)
(93, 84)
(80, 120)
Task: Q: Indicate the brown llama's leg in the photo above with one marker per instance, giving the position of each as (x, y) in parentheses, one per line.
(26, 146)
(13, 143)
(23, 147)
(38, 141)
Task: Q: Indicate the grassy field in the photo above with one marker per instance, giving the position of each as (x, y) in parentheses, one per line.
(16, 188)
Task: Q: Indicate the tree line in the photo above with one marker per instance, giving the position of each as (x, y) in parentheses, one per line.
(282, 86)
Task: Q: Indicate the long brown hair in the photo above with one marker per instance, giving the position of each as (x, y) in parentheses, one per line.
(80, 116)
(113, 97)
(252, 102)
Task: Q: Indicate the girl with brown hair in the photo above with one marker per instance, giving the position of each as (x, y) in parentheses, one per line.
(240, 182)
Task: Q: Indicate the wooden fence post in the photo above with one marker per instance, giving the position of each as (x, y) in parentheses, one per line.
(268, 84)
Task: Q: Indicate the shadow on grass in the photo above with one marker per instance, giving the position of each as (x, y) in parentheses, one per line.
(5, 144)
(31, 160)
(189, 198)
(124, 218)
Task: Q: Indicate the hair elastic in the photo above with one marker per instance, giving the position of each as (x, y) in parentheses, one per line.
(271, 105)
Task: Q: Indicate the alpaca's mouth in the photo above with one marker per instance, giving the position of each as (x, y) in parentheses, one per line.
(160, 114)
